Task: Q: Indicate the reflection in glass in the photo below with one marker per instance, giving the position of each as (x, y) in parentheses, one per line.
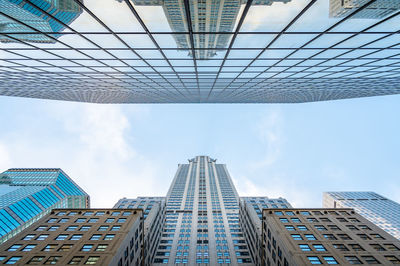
(378, 9)
(206, 16)
(64, 10)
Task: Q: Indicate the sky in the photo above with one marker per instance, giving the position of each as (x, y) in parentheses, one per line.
(295, 151)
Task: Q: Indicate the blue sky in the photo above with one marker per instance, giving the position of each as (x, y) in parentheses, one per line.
(296, 151)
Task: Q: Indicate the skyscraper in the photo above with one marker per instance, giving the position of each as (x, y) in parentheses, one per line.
(206, 16)
(377, 9)
(202, 218)
(64, 10)
(28, 194)
(381, 211)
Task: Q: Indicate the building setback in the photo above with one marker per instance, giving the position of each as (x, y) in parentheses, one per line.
(381, 211)
(325, 236)
(79, 236)
(28, 194)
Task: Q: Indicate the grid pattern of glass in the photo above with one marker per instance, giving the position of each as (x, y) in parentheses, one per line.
(199, 51)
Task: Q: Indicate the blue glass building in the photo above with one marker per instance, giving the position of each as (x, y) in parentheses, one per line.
(65, 11)
(28, 194)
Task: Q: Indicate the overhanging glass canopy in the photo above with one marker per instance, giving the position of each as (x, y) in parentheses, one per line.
(199, 51)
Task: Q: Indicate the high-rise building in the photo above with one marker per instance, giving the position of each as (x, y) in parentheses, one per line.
(21, 11)
(206, 16)
(154, 215)
(377, 9)
(382, 211)
(250, 218)
(202, 218)
(324, 236)
(79, 236)
(28, 194)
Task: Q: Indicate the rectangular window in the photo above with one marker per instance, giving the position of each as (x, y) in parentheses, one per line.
(61, 237)
(290, 228)
(72, 228)
(92, 260)
(329, 236)
(65, 247)
(352, 260)
(41, 228)
(76, 237)
(76, 260)
(330, 260)
(296, 237)
(101, 247)
(109, 237)
(116, 228)
(50, 247)
(310, 237)
(42, 237)
(36, 260)
(314, 260)
(29, 237)
(53, 260)
(85, 228)
(370, 260)
(304, 247)
(87, 247)
(319, 247)
(29, 247)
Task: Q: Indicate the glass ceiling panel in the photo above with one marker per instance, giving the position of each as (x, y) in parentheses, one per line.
(140, 51)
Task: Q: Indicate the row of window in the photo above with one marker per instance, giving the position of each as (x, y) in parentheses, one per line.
(352, 259)
(51, 260)
(65, 236)
(86, 220)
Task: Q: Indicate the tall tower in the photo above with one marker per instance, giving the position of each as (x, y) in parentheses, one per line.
(202, 218)
(26, 195)
(381, 211)
(64, 10)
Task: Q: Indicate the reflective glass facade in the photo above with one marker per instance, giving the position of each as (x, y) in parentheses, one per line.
(27, 194)
(199, 51)
(380, 210)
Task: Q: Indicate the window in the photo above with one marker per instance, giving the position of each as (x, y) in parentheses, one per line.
(352, 227)
(314, 260)
(110, 220)
(80, 220)
(87, 247)
(329, 236)
(29, 237)
(121, 220)
(319, 247)
(52, 220)
(50, 247)
(320, 227)
(340, 247)
(116, 213)
(305, 213)
(325, 220)
(92, 260)
(36, 260)
(310, 237)
(72, 228)
(61, 213)
(344, 236)
(116, 228)
(391, 247)
(109, 237)
(65, 247)
(42, 237)
(63, 220)
(95, 237)
(88, 213)
(284, 220)
(304, 247)
(279, 213)
(295, 220)
(76, 260)
(75, 237)
(101, 213)
(297, 237)
(352, 260)
(393, 259)
(377, 247)
(333, 227)
(370, 260)
(290, 228)
(377, 236)
(29, 247)
(330, 260)
(53, 260)
(103, 228)
(356, 247)
(61, 237)
(93, 220)
(302, 228)
(312, 220)
(41, 228)
(13, 260)
(101, 247)
(14, 247)
(85, 228)
(289, 213)
(364, 236)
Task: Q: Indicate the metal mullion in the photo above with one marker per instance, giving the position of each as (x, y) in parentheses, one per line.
(319, 35)
(239, 25)
(61, 57)
(133, 10)
(308, 6)
(116, 36)
(354, 49)
(76, 32)
(190, 28)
